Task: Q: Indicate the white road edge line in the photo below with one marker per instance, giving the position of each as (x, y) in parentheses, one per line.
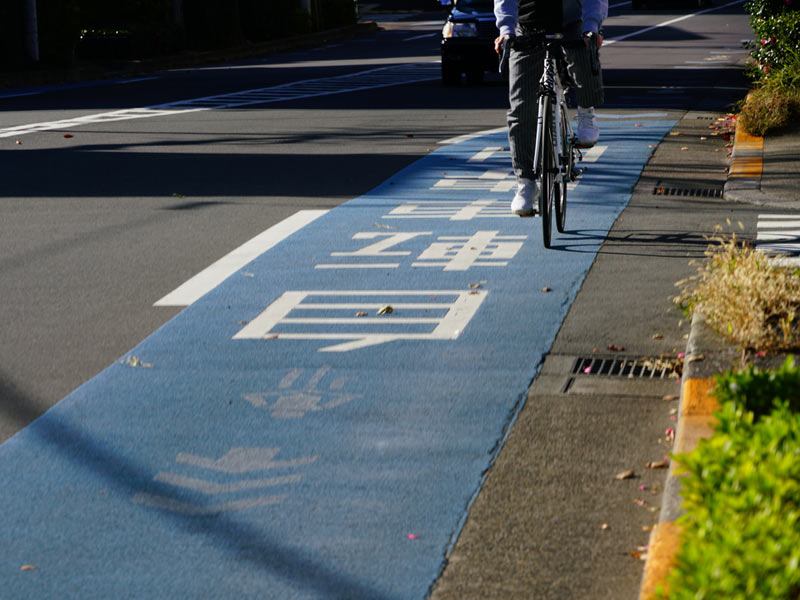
(212, 276)
(670, 22)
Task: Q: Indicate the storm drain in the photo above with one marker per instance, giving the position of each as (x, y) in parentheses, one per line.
(646, 368)
(688, 192)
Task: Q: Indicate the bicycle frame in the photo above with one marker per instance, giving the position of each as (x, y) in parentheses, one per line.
(554, 148)
(550, 86)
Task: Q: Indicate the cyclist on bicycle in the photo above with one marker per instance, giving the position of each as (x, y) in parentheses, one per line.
(523, 24)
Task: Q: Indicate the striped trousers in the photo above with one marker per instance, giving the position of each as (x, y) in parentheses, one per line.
(525, 70)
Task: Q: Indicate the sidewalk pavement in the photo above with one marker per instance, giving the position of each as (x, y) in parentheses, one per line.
(763, 172)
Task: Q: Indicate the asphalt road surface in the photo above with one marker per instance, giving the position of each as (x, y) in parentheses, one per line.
(117, 193)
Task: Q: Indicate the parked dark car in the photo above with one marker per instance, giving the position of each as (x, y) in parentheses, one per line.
(468, 41)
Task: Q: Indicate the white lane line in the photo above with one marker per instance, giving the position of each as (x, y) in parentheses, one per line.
(670, 22)
(419, 37)
(471, 136)
(363, 80)
(212, 276)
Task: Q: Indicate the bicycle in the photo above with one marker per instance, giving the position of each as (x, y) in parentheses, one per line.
(555, 152)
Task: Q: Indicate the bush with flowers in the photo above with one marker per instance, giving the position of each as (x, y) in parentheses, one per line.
(774, 102)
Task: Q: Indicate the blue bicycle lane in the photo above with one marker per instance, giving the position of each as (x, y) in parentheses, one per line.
(317, 425)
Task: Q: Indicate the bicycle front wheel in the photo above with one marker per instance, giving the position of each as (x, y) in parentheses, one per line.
(565, 171)
(546, 169)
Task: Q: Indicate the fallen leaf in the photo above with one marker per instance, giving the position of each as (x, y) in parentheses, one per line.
(684, 147)
(135, 361)
(629, 474)
(658, 336)
(271, 336)
(605, 526)
(615, 348)
(177, 195)
(361, 313)
(547, 289)
(68, 135)
(647, 528)
(657, 464)
(27, 567)
(703, 138)
(639, 501)
(639, 555)
(386, 310)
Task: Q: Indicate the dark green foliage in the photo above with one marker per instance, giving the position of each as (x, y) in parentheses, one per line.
(759, 391)
(271, 19)
(12, 34)
(741, 494)
(337, 13)
(59, 30)
(777, 40)
(742, 500)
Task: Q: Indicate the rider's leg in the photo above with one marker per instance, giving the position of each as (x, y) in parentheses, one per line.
(589, 92)
(525, 70)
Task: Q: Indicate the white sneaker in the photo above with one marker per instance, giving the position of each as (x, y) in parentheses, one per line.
(588, 132)
(525, 202)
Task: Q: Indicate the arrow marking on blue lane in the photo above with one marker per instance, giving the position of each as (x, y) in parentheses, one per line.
(284, 434)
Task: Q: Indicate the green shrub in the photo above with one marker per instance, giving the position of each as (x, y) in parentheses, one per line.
(337, 13)
(12, 34)
(59, 30)
(777, 41)
(760, 390)
(742, 500)
(271, 19)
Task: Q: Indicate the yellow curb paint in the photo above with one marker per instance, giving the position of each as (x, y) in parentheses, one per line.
(752, 164)
(697, 399)
(691, 430)
(696, 422)
(664, 544)
(746, 166)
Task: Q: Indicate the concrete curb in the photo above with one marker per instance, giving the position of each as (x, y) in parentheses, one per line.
(695, 422)
(696, 410)
(746, 170)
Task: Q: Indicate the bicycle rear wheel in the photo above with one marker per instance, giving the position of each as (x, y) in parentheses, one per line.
(564, 175)
(546, 169)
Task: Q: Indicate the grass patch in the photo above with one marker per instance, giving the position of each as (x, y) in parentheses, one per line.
(744, 296)
(768, 109)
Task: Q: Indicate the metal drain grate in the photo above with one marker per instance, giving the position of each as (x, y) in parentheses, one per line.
(646, 368)
(689, 192)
